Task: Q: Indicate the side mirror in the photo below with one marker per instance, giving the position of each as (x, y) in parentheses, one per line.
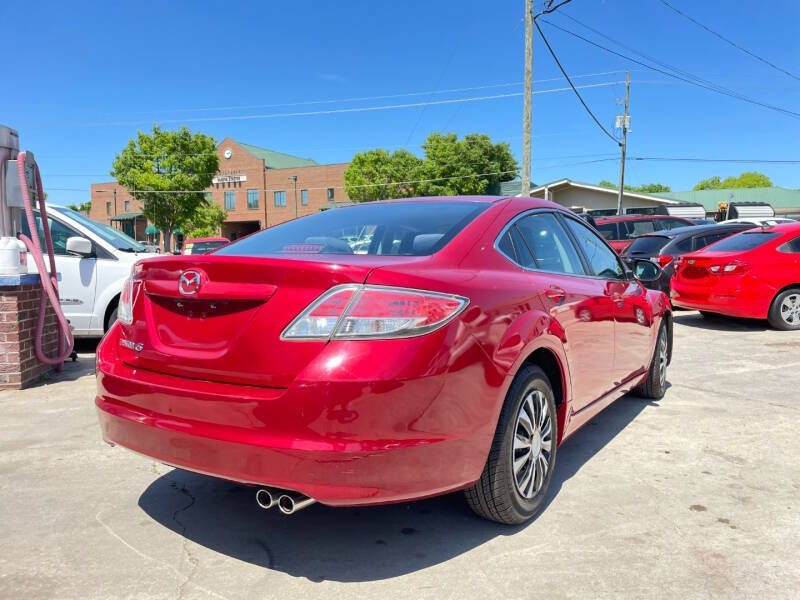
(645, 270)
(79, 246)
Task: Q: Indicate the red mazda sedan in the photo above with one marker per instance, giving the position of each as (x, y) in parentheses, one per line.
(752, 274)
(462, 343)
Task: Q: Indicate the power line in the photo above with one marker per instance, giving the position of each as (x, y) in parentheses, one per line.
(549, 8)
(731, 42)
(691, 79)
(356, 109)
(365, 98)
(572, 85)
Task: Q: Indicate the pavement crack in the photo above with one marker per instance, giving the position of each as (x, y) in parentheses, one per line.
(190, 558)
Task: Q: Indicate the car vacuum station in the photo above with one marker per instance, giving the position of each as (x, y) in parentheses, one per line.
(35, 335)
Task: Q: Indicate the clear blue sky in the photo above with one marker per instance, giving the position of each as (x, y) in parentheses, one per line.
(90, 73)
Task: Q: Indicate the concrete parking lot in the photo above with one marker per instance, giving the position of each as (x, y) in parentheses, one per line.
(694, 496)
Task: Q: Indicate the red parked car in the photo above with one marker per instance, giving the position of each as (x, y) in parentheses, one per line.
(621, 231)
(752, 274)
(457, 352)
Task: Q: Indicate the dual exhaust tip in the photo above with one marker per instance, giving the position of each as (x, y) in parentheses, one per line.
(287, 502)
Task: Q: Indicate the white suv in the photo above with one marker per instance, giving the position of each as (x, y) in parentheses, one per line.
(89, 282)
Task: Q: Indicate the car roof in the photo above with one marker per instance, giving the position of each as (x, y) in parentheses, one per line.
(617, 219)
(693, 229)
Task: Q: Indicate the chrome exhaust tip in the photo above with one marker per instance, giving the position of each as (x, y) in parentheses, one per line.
(292, 502)
(266, 498)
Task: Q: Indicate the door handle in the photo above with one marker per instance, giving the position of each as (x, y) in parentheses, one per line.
(556, 294)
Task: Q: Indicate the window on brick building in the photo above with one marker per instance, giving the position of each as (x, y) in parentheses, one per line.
(127, 206)
(230, 200)
(252, 198)
(330, 193)
(108, 208)
(280, 198)
(304, 197)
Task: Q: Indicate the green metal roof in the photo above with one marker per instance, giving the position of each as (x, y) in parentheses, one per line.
(277, 160)
(128, 216)
(151, 230)
(777, 197)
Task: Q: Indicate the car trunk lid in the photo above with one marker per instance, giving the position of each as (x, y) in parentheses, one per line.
(220, 318)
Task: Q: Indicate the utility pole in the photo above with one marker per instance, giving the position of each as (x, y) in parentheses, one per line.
(294, 178)
(528, 94)
(623, 122)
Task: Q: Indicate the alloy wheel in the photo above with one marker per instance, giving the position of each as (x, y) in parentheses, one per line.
(533, 444)
(662, 358)
(790, 310)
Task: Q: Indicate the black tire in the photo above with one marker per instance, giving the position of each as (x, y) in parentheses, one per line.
(112, 318)
(655, 385)
(496, 495)
(782, 319)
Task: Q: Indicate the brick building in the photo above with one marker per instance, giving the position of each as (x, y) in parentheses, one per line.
(257, 187)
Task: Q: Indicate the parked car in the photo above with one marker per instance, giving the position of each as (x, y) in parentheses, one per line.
(665, 246)
(448, 357)
(203, 245)
(621, 231)
(752, 274)
(89, 284)
(761, 221)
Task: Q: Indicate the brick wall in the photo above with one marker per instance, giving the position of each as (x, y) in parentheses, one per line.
(244, 218)
(19, 311)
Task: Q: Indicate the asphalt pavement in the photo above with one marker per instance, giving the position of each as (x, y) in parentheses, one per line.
(693, 496)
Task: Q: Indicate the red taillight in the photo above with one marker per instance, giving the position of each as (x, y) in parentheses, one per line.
(125, 306)
(128, 295)
(735, 267)
(663, 260)
(374, 312)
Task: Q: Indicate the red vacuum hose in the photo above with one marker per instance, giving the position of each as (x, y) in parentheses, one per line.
(49, 284)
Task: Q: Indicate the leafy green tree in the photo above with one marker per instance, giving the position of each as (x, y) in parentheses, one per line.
(207, 221)
(378, 175)
(83, 207)
(712, 183)
(647, 188)
(748, 179)
(469, 166)
(450, 167)
(167, 171)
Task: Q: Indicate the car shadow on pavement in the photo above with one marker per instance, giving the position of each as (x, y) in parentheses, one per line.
(719, 322)
(351, 544)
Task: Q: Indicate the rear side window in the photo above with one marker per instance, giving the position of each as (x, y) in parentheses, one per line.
(682, 247)
(648, 245)
(701, 241)
(401, 228)
(745, 241)
(672, 223)
(791, 247)
(637, 228)
(551, 247)
(608, 230)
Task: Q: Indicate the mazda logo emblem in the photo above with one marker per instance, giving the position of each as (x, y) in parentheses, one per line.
(189, 283)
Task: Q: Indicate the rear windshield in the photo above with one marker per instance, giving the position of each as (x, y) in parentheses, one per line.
(399, 229)
(744, 241)
(203, 247)
(648, 245)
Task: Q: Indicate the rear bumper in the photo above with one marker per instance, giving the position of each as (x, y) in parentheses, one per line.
(740, 301)
(340, 442)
